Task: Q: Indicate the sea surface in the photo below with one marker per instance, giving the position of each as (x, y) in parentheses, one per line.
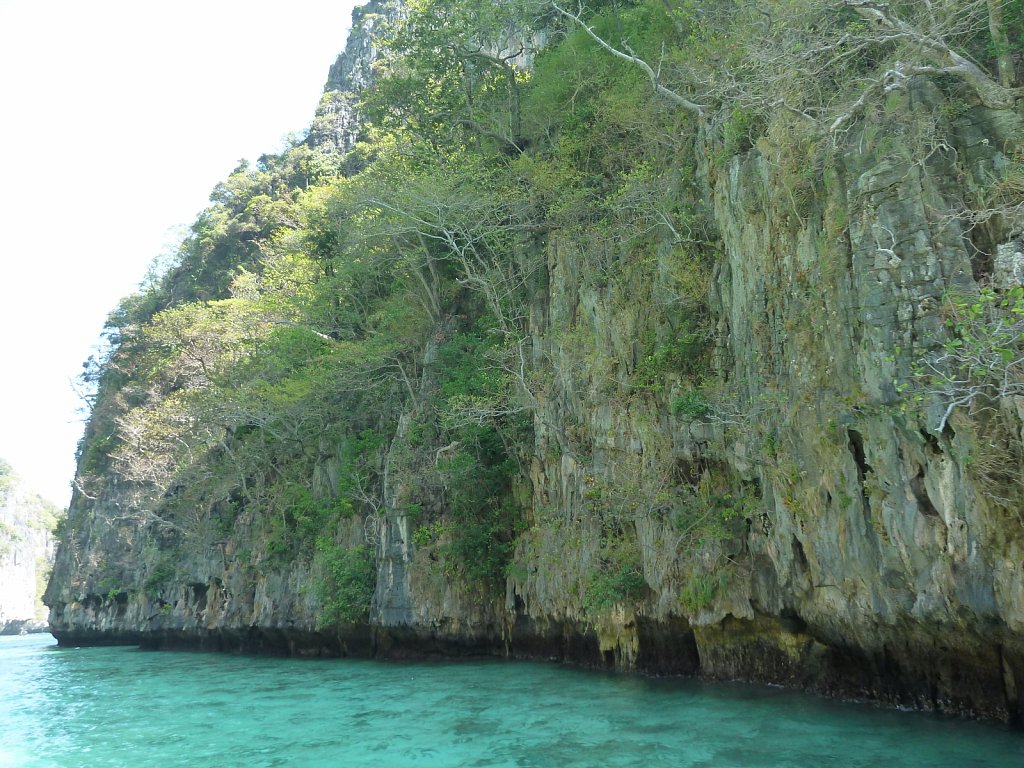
(95, 707)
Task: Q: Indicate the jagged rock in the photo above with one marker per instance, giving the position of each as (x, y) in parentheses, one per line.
(1008, 266)
(337, 122)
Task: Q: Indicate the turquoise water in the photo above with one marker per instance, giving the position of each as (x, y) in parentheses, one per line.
(94, 707)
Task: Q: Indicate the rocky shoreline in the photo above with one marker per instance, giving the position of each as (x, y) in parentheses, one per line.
(739, 652)
(23, 627)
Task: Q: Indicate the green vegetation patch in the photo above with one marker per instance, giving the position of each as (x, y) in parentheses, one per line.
(345, 588)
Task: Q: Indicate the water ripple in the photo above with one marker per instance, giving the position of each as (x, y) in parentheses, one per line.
(123, 707)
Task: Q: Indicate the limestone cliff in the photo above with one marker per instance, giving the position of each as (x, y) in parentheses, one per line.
(26, 554)
(741, 471)
(337, 121)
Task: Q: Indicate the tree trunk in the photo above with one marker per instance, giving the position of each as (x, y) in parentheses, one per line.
(1004, 57)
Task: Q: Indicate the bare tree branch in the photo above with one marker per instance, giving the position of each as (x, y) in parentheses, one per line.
(934, 47)
(696, 109)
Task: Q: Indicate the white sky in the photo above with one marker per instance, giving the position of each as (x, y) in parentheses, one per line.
(117, 118)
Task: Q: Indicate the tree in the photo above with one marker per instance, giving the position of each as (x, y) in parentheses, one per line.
(823, 60)
(628, 55)
(452, 67)
(982, 362)
(1001, 42)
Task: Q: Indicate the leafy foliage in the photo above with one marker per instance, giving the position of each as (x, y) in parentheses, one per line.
(619, 576)
(347, 584)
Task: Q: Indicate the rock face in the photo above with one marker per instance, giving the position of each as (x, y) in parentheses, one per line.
(886, 565)
(26, 555)
(868, 549)
(337, 121)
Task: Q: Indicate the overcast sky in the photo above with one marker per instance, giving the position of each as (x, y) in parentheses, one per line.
(117, 118)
